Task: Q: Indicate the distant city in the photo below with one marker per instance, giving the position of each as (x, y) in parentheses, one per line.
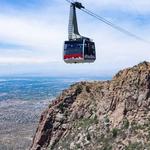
(34, 88)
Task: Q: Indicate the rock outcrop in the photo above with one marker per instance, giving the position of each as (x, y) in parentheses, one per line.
(100, 115)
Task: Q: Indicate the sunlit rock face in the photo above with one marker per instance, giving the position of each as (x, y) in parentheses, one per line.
(99, 115)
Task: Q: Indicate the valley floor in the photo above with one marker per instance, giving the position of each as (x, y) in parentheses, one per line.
(18, 122)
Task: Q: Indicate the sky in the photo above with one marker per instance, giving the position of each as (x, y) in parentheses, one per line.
(32, 33)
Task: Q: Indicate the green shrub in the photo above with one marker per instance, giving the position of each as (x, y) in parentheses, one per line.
(61, 107)
(107, 147)
(125, 123)
(86, 122)
(88, 137)
(106, 119)
(134, 146)
(115, 132)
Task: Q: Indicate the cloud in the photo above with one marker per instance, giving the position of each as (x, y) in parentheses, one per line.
(28, 32)
(23, 60)
(34, 38)
(128, 5)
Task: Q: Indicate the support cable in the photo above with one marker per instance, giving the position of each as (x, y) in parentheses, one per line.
(102, 19)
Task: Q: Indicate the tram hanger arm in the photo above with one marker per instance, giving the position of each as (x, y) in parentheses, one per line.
(78, 5)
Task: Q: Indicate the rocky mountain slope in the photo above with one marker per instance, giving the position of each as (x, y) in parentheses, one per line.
(104, 115)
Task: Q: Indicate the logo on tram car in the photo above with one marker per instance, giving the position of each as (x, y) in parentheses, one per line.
(89, 56)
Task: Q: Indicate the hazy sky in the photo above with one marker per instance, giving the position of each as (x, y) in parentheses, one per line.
(32, 33)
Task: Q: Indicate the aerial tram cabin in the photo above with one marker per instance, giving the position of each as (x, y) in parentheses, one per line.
(77, 49)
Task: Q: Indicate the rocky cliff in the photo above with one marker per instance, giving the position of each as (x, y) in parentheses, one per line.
(104, 115)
